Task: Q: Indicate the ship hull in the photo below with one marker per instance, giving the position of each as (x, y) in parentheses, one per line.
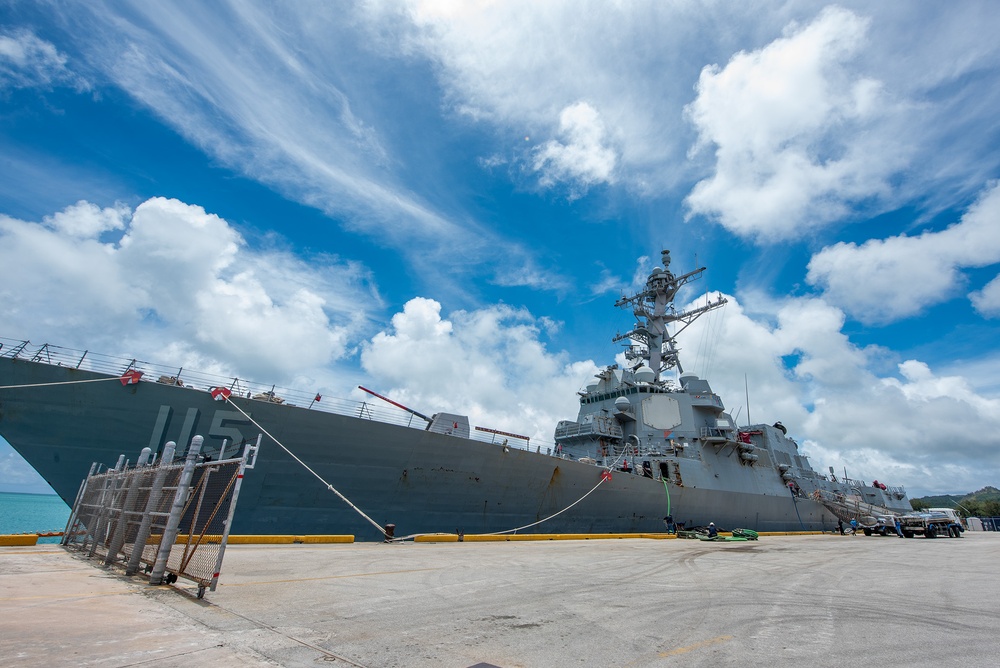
(420, 481)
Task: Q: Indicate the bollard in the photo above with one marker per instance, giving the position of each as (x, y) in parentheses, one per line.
(390, 530)
(173, 522)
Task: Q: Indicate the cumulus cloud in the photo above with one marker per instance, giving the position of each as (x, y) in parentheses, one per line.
(883, 280)
(792, 129)
(802, 369)
(987, 300)
(173, 273)
(490, 364)
(582, 159)
(28, 61)
(517, 65)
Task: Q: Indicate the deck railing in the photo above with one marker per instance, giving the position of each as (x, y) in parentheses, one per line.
(203, 382)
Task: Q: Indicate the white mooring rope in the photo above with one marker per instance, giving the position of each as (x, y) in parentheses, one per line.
(334, 489)
(63, 382)
(306, 467)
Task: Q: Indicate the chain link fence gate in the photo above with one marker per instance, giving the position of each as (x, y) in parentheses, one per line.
(170, 520)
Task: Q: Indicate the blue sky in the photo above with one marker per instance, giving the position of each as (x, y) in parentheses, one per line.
(443, 200)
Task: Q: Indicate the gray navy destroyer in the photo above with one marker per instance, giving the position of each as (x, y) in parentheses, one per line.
(650, 441)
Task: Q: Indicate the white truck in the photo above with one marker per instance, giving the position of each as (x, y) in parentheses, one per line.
(933, 523)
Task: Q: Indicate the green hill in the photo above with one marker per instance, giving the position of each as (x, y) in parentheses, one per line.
(982, 503)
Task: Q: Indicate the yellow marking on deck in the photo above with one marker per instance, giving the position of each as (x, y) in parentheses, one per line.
(697, 645)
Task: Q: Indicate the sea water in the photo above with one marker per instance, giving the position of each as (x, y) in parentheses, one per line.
(31, 513)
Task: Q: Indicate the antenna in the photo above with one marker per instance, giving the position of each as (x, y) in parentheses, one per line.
(746, 387)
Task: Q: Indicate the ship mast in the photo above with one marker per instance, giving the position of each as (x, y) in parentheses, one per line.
(654, 310)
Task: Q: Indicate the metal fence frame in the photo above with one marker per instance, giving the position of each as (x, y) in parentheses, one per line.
(171, 520)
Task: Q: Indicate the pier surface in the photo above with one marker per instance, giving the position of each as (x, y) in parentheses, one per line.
(781, 601)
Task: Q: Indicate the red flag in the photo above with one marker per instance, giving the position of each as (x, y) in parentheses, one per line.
(606, 476)
(221, 393)
(318, 397)
(131, 377)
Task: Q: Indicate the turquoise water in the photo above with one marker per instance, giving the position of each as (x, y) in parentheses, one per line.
(30, 513)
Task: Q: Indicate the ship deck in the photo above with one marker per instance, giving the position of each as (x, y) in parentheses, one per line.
(813, 600)
(368, 407)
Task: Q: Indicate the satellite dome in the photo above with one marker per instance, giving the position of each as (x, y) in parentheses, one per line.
(623, 404)
(644, 374)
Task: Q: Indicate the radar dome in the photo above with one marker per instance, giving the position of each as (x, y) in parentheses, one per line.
(623, 404)
(644, 374)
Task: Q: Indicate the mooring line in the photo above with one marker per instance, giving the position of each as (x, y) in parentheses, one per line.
(593, 489)
(600, 482)
(334, 489)
(63, 382)
(306, 467)
(528, 526)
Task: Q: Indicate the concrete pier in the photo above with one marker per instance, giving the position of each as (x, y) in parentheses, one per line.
(781, 601)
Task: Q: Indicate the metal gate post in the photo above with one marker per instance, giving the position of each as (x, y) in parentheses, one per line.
(173, 522)
(132, 489)
(107, 498)
(232, 509)
(166, 459)
(71, 523)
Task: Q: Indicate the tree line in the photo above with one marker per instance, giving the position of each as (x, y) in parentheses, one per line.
(984, 503)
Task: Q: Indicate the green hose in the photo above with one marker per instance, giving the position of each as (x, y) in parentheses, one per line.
(667, 490)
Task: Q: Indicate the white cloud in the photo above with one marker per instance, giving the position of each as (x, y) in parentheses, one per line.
(802, 369)
(285, 97)
(792, 126)
(522, 65)
(883, 280)
(799, 365)
(268, 96)
(489, 364)
(987, 300)
(583, 160)
(28, 61)
(84, 220)
(175, 276)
